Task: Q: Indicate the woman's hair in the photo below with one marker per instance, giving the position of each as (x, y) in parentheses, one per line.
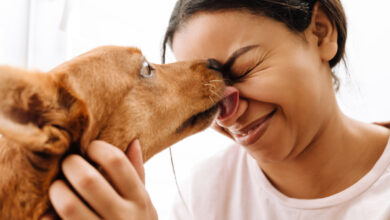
(295, 14)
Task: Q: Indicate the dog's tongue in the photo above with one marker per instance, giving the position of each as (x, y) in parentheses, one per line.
(229, 103)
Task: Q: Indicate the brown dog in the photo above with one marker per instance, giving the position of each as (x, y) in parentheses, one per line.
(111, 94)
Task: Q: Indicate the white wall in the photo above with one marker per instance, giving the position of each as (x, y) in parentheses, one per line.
(43, 33)
(365, 95)
(13, 32)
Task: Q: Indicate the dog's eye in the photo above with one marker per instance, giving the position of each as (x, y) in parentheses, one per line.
(147, 71)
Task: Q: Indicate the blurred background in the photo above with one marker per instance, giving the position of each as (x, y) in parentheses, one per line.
(40, 34)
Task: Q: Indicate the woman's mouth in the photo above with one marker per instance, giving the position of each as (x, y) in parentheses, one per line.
(254, 131)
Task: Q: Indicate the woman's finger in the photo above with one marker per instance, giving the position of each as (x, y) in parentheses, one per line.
(134, 153)
(92, 186)
(119, 169)
(67, 204)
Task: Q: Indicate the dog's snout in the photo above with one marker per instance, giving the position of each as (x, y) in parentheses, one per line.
(214, 64)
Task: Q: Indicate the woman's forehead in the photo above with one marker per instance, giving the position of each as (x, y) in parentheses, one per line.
(218, 34)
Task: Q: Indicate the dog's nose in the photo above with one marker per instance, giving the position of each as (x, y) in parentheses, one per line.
(213, 64)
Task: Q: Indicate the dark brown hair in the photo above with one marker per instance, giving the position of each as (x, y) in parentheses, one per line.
(295, 14)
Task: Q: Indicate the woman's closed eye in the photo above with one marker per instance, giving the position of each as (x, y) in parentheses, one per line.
(241, 63)
(239, 74)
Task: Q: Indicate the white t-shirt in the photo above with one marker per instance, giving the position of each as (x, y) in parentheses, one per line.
(231, 186)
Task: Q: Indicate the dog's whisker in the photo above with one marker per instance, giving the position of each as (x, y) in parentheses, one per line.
(211, 85)
(212, 100)
(217, 80)
(216, 94)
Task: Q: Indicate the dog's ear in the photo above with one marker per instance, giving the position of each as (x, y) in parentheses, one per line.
(38, 112)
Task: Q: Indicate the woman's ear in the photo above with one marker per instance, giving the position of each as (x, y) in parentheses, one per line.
(325, 31)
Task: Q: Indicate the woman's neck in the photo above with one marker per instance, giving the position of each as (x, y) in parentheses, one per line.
(342, 153)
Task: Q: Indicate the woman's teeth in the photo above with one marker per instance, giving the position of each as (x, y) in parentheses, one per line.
(241, 133)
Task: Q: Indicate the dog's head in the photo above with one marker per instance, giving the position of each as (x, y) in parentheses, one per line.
(112, 94)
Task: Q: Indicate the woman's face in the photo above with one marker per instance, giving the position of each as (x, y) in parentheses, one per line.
(284, 96)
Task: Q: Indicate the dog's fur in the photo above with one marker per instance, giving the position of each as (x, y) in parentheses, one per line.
(98, 95)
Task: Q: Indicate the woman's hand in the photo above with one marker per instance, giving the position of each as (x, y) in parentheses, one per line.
(122, 196)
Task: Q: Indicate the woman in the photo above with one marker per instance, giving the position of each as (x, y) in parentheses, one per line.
(297, 155)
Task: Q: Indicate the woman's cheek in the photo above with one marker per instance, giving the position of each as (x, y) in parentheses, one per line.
(279, 141)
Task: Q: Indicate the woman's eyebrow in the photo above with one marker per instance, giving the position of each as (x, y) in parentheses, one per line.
(229, 63)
